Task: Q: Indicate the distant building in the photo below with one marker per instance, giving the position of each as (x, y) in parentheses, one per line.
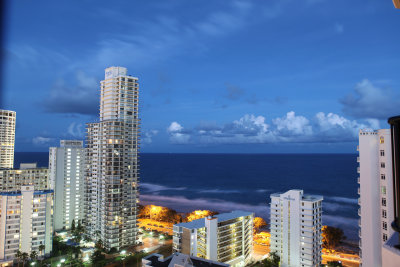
(67, 178)
(25, 222)
(391, 248)
(28, 174)
(296, 228)
(7, 138)
(226, 238)
(376, 194)
(112, 163)
(179, 260)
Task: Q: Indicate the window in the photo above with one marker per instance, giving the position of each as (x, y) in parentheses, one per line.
(383, 177)
(384, 202)
(381, 140)
(382, 164)
(382, 153)
(384, 237)
(384, 225)
(383, 190)
(384, 214)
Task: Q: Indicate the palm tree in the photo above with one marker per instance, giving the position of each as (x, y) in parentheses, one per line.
(24, 257)
(41, 249)
(33, 256)
(18, 255)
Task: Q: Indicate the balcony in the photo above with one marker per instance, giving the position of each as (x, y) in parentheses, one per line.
(358, 169)
(358, 159)
(358, 180)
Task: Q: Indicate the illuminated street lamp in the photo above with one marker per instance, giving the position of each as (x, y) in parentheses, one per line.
(62, 260)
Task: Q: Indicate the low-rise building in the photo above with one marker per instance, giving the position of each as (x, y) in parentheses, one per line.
(179, 259)
(27, 174)
(25, 222)
(296, 228)
(226, 238)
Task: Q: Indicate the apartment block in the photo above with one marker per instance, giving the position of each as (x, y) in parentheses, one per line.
(376, 194)
(7, 138)
(226, 238)
(67, 178)
(25, 222)
(112, 163)
(27, 174)
(296, 228)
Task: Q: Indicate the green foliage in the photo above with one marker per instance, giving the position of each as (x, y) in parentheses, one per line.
(73, 225)
(98, 259)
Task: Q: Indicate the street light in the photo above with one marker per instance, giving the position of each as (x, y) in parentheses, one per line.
(62, 260)
(33, 263)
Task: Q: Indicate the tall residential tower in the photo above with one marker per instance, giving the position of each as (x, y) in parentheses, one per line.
(66, 168)
(7, 138)
(296, 228)
(112, 166)
(376, 194)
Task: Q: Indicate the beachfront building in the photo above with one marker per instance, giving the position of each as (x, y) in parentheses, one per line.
(25, 222)
(66, 171)
(7, 138)
(296, 228)
(391, 248)
(27, 174)
(376, 194)
(179, 259)
(226, 238)
(112, 164)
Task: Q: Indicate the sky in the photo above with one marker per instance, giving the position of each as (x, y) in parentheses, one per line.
(273, 76)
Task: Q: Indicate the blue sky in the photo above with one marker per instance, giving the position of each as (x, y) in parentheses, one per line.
(215, 76)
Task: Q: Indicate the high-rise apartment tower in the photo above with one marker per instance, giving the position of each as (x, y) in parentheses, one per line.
(112, 164)
(376, 194)
(7, 138)
(296, 228)
(66, 168)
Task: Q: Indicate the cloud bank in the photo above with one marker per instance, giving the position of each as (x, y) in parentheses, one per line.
(291, 128)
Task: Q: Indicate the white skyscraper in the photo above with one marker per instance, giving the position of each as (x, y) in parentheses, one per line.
(25, 222)
(376, 194)
(112, 166)
(296, 228)
(66, 167)
(7, 138)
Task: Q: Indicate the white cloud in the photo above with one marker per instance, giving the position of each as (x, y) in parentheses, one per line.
(42, 141)
(177, 135)
(291, 128)
(76, 130)
(293, 125)
(147, 136)
(369, 101)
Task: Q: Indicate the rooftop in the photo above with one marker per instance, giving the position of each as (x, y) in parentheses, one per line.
(200, 223)
(157, 260)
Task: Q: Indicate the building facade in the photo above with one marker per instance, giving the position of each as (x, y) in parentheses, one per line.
(25, 222)
(296, 228)
(67, 179)
(226, 238)
(112, 164)
(27, 174)
(376, 194)
(7, 138)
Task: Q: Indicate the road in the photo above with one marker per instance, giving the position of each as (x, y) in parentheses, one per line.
(345, 262)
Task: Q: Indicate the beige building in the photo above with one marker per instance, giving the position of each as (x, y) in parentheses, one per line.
(226, 238)
(112, 168)
(7, 138)
(28, 174)
(25, 222)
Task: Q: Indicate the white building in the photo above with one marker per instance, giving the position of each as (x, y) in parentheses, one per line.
(112, 168)
(25, 222)
(226, 238)
(67, 169)
(27, 174)
(376, 194)
(7, 138)
(296, 228)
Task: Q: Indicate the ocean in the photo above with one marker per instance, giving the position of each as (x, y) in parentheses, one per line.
(225, 182)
